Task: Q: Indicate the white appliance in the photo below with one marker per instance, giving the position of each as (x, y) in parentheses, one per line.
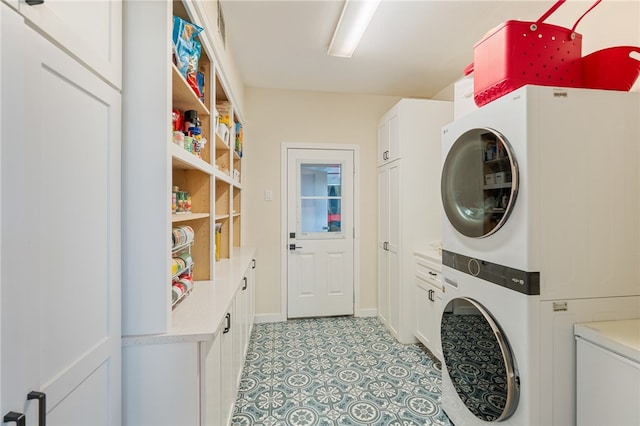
(541, 196)
(509, 357)
(570, 190)
(608, 372)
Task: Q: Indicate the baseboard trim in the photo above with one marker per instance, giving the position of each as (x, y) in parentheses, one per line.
(266, 318)
(278, 317)
(369, 312)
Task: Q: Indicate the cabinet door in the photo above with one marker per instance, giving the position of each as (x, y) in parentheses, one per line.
(393, 246)
(240, 328)
(428, 307)
(228, 384)
(252, 296)
(394, 136)
(389, 245)
(383, 238)
(389, 137)
(60, 237)
(210, 381)
(424, 316)
(90, 30)
(383, 141)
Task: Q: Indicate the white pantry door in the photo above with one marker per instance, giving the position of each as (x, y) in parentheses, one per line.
(320, 206)
(60, 150)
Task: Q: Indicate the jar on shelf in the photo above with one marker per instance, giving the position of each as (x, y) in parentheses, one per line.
(187, 203)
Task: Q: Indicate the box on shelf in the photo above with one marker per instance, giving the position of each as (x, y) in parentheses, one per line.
(224, 110)
(463, 102)
(223, 132)
(500, 178)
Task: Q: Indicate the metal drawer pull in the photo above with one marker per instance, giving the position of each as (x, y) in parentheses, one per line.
(12, 416)
(42, 406)
(228, 326)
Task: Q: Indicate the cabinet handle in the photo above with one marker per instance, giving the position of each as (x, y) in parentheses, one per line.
(431, 293)
(245, 283)
(385, 246)
(12, 416)
(42, 406)
(228, 326)
(34, 2)
(433, 274)
(254, 264)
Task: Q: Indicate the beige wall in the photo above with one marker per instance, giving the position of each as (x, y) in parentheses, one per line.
(277, 116)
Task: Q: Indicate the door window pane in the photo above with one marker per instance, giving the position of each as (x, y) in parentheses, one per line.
(320, 197)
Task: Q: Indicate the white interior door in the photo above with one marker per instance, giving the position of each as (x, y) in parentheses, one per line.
(320, 206)
(60, 237)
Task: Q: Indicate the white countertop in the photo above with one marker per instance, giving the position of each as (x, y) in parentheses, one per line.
(620, 336)
(199, 316)
(429, 254)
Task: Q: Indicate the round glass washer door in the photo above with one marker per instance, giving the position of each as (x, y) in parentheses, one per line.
(479, 182)
(479, 360)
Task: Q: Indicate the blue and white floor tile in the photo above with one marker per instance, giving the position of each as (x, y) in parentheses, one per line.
(336, 371)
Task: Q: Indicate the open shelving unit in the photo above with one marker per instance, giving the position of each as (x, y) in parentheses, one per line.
(154, 165)
(197, 307)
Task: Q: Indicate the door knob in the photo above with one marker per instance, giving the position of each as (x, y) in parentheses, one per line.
(12, 416)
(42, 406)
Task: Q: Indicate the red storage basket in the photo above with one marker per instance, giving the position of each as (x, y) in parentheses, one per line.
(613, 68)
(517, 53)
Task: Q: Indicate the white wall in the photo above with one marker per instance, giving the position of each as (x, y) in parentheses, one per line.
(277, 116)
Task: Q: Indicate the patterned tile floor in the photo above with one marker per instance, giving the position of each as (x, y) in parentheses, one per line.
(336, 371)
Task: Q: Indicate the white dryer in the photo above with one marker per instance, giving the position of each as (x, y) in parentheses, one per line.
(541, 194)
(547, 179)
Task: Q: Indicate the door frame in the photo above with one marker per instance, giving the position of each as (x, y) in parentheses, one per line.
(284, 171)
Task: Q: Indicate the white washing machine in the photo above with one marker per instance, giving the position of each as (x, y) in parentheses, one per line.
(489, 370)
(541, 193)
(509, 357)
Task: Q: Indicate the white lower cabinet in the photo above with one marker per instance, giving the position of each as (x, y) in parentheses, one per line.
(191, 375)
(429, 290)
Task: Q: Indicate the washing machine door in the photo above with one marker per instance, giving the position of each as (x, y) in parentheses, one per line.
(479, 360)
(479, 182)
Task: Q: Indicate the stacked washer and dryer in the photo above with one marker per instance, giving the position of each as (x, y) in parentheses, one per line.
(541, 193)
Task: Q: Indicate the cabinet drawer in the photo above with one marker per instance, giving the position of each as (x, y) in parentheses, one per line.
(429, 272)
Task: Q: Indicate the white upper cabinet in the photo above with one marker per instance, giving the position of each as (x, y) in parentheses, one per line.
(389, 137)
(91, 31)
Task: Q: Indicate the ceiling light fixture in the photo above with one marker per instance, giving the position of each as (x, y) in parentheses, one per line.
(352, 24)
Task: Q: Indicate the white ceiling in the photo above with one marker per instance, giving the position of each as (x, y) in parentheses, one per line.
(412, 48)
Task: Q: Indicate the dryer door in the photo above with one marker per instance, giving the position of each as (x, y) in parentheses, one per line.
(479, 182)
(479, 360)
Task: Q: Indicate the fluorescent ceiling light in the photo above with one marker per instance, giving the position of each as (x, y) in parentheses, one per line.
(353, 22)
